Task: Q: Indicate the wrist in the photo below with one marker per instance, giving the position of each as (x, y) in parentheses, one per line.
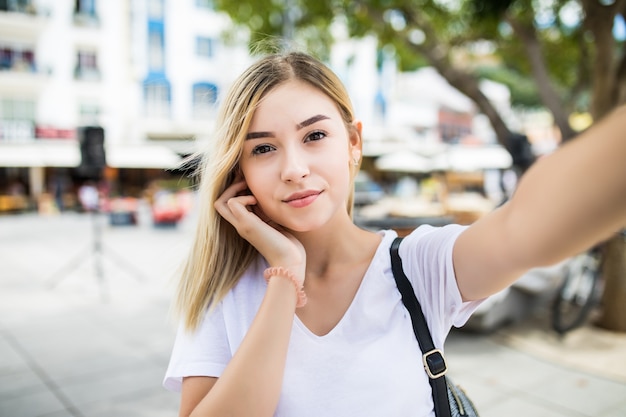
(279, 272)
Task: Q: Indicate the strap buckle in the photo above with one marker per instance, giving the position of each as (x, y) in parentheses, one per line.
(435, 363)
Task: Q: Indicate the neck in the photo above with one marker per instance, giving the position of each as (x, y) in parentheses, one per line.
(336, 247)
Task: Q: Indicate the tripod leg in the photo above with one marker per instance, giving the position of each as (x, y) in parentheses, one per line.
(139, 276)
(97, 262)
(95, 251)
(65, 270)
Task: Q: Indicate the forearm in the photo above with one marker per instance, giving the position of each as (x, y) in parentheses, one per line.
(564, 204)
(251, 383)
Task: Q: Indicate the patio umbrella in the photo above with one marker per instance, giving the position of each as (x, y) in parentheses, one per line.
(404, 161)
(478, 158)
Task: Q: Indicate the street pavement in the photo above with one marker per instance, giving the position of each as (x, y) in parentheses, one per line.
(75, 342)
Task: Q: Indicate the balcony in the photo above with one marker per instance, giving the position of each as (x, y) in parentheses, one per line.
(86, 19)
(21, 22)
(13, 81)
(89, 74)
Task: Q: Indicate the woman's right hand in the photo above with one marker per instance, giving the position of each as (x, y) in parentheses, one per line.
(274, 243)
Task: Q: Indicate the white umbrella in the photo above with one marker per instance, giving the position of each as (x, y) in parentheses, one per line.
(477, 158)
(450, 158)
(404, 161)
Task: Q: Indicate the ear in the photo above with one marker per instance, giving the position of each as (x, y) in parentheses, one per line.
(356, 141)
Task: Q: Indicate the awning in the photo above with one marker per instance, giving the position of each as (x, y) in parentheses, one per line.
(142, 156)
(42, 154)
(449, 158)
(405, 161)
(476, 158)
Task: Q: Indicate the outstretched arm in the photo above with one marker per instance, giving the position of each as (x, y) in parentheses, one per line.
(566, 203)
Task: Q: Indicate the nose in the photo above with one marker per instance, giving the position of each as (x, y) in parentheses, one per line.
(294, 166)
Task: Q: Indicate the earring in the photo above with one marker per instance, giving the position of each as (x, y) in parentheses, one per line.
(355, 161)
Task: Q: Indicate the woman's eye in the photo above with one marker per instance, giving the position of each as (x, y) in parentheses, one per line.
(317, 135)
(261, 149)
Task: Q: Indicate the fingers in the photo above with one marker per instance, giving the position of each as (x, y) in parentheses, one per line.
(239, 206)
(233, 206)
(242, 211)
(233, 190)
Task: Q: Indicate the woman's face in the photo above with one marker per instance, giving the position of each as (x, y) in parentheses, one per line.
(297, 155)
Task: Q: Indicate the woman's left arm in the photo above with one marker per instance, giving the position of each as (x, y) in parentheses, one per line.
(565, 203)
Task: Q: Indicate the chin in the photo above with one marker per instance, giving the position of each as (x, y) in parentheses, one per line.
(302, 227)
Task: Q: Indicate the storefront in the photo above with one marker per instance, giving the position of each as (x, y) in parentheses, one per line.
(43, 173)
(29, 171)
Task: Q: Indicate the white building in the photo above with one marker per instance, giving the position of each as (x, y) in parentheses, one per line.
(149, 72)
(179, 68)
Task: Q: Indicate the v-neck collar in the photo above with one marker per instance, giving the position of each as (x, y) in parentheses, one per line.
(385, 242)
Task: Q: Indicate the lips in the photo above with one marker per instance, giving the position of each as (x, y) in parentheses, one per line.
(302, 198)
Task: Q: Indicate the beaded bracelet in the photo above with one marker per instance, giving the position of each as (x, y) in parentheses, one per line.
(277, 271)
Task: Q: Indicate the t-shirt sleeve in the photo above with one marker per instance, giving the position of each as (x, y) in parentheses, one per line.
(203, 352)
(427, 261)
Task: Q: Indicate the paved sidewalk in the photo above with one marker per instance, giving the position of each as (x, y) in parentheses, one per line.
(73, 346)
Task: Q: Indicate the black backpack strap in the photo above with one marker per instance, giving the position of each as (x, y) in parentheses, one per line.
(432, 358)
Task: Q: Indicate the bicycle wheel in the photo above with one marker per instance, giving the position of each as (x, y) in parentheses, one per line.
(577, 295)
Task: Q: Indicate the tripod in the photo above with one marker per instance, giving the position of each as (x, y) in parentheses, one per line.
(97, 253)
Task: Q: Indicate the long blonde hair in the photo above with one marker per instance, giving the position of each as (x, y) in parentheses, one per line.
(219, 256)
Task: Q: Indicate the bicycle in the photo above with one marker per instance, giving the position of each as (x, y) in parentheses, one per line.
(581, 290)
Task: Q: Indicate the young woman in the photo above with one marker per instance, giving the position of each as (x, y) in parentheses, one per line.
(289, 309)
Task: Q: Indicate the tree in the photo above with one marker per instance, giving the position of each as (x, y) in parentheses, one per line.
(567, 47)
(600, 74)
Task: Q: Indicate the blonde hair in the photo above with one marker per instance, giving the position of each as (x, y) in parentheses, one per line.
(219, 256)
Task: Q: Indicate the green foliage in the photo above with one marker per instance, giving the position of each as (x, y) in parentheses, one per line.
(276, 24)
(411, 27)
(489, 9)
(523, 90)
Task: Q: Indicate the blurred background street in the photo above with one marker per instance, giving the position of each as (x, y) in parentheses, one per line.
(101, 102)
(74, 346)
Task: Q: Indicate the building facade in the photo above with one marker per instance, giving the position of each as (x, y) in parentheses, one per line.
(147, 73)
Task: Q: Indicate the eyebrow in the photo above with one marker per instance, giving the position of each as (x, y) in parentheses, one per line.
(311, 120)
(301, 125)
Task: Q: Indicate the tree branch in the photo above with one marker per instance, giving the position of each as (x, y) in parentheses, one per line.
(604, 96)
(527, 35)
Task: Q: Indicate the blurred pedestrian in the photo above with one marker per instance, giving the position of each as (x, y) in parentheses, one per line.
(59, 185)
(88, 197)
(289, 309)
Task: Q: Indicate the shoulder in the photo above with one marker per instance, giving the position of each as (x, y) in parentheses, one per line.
(426, 255)
(427, 235)
(429, 244)
(428, 250)
(423, 242)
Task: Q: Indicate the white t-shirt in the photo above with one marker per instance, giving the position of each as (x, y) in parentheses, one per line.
(370, 363)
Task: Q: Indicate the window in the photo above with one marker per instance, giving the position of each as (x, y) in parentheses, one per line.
(157, 98)
(156, 59)
(22, 6)
(89, 114)
(22, 60)
(155, 9)
(204, 99)
(17, 109)
(85, 7)
(204, 47)
(205, 4)
(17, 120)
(87, 66)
